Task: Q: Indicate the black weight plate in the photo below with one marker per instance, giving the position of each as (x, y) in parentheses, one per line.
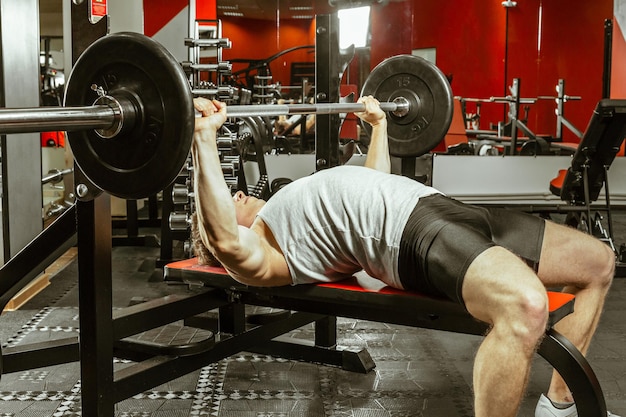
(431, 103)
(145, 159)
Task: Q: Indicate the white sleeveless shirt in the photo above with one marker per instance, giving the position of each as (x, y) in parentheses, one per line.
(339, 221)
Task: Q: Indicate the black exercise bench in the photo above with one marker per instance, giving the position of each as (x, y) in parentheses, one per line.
(365, 298)
(580, 185)
(582, 182)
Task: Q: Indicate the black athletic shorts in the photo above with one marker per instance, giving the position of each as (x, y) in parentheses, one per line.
(443, 236)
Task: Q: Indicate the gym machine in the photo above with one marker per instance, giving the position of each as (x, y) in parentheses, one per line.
(533, 144)
(561, 121)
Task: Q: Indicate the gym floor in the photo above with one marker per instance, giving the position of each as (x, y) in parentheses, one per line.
(418, 372)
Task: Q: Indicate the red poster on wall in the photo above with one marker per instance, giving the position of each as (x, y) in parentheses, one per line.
(97, 10)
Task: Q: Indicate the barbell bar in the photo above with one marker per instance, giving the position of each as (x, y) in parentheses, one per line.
(399, 107)
(129, 112)
(50, 119)
(106, 117)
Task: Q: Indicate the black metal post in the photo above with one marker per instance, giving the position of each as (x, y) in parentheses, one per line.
(327, 90)
(167, 245)
(607, 198)
(95, 305)
(326, 332)
(94, 235)
(608, 51)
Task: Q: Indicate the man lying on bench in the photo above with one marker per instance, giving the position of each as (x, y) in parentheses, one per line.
(495, 262)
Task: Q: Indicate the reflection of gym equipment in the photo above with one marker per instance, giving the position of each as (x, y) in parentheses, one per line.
(56, 175)
(52, 77)
(513, 100)
(515, 122)
(292, 141)
(257, 76)
(52, 179)
(561, 121)
(508, 133)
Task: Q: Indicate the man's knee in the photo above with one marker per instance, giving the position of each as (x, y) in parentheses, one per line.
(571, 257)
(533, 305)
(527, 317)
(606, 265)
(599, 267)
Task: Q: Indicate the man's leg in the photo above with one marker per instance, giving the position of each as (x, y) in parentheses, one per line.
(503, 291)
(584, 266)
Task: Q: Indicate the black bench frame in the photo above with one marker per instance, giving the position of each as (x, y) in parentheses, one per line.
(396, 308)
(105, 334)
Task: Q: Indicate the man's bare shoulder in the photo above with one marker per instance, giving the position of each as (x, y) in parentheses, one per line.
(276, 269)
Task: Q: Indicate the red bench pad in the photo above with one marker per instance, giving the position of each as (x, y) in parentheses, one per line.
(558, 301)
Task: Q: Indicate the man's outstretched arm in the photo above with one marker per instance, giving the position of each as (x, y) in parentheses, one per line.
(238, 248)
(378, 150)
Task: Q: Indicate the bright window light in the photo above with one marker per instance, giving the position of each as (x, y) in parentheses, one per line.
(353, 26)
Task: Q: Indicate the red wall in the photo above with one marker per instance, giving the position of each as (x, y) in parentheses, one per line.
(474, 45)
(157, 13)
(572, 48)
(618, 82)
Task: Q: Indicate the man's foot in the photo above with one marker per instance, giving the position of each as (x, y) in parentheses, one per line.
(545, 408)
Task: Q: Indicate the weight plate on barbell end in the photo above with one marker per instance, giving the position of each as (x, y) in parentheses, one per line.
(145, 159)
(430, 99)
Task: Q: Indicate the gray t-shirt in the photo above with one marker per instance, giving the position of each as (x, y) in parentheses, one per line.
(339, 221)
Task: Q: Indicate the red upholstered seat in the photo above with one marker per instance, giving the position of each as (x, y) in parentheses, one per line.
(354, 284)
(556, 184)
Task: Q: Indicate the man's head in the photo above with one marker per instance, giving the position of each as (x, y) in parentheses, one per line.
(246, 208)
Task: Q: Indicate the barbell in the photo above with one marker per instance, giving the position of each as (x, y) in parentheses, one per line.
(129, 113)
